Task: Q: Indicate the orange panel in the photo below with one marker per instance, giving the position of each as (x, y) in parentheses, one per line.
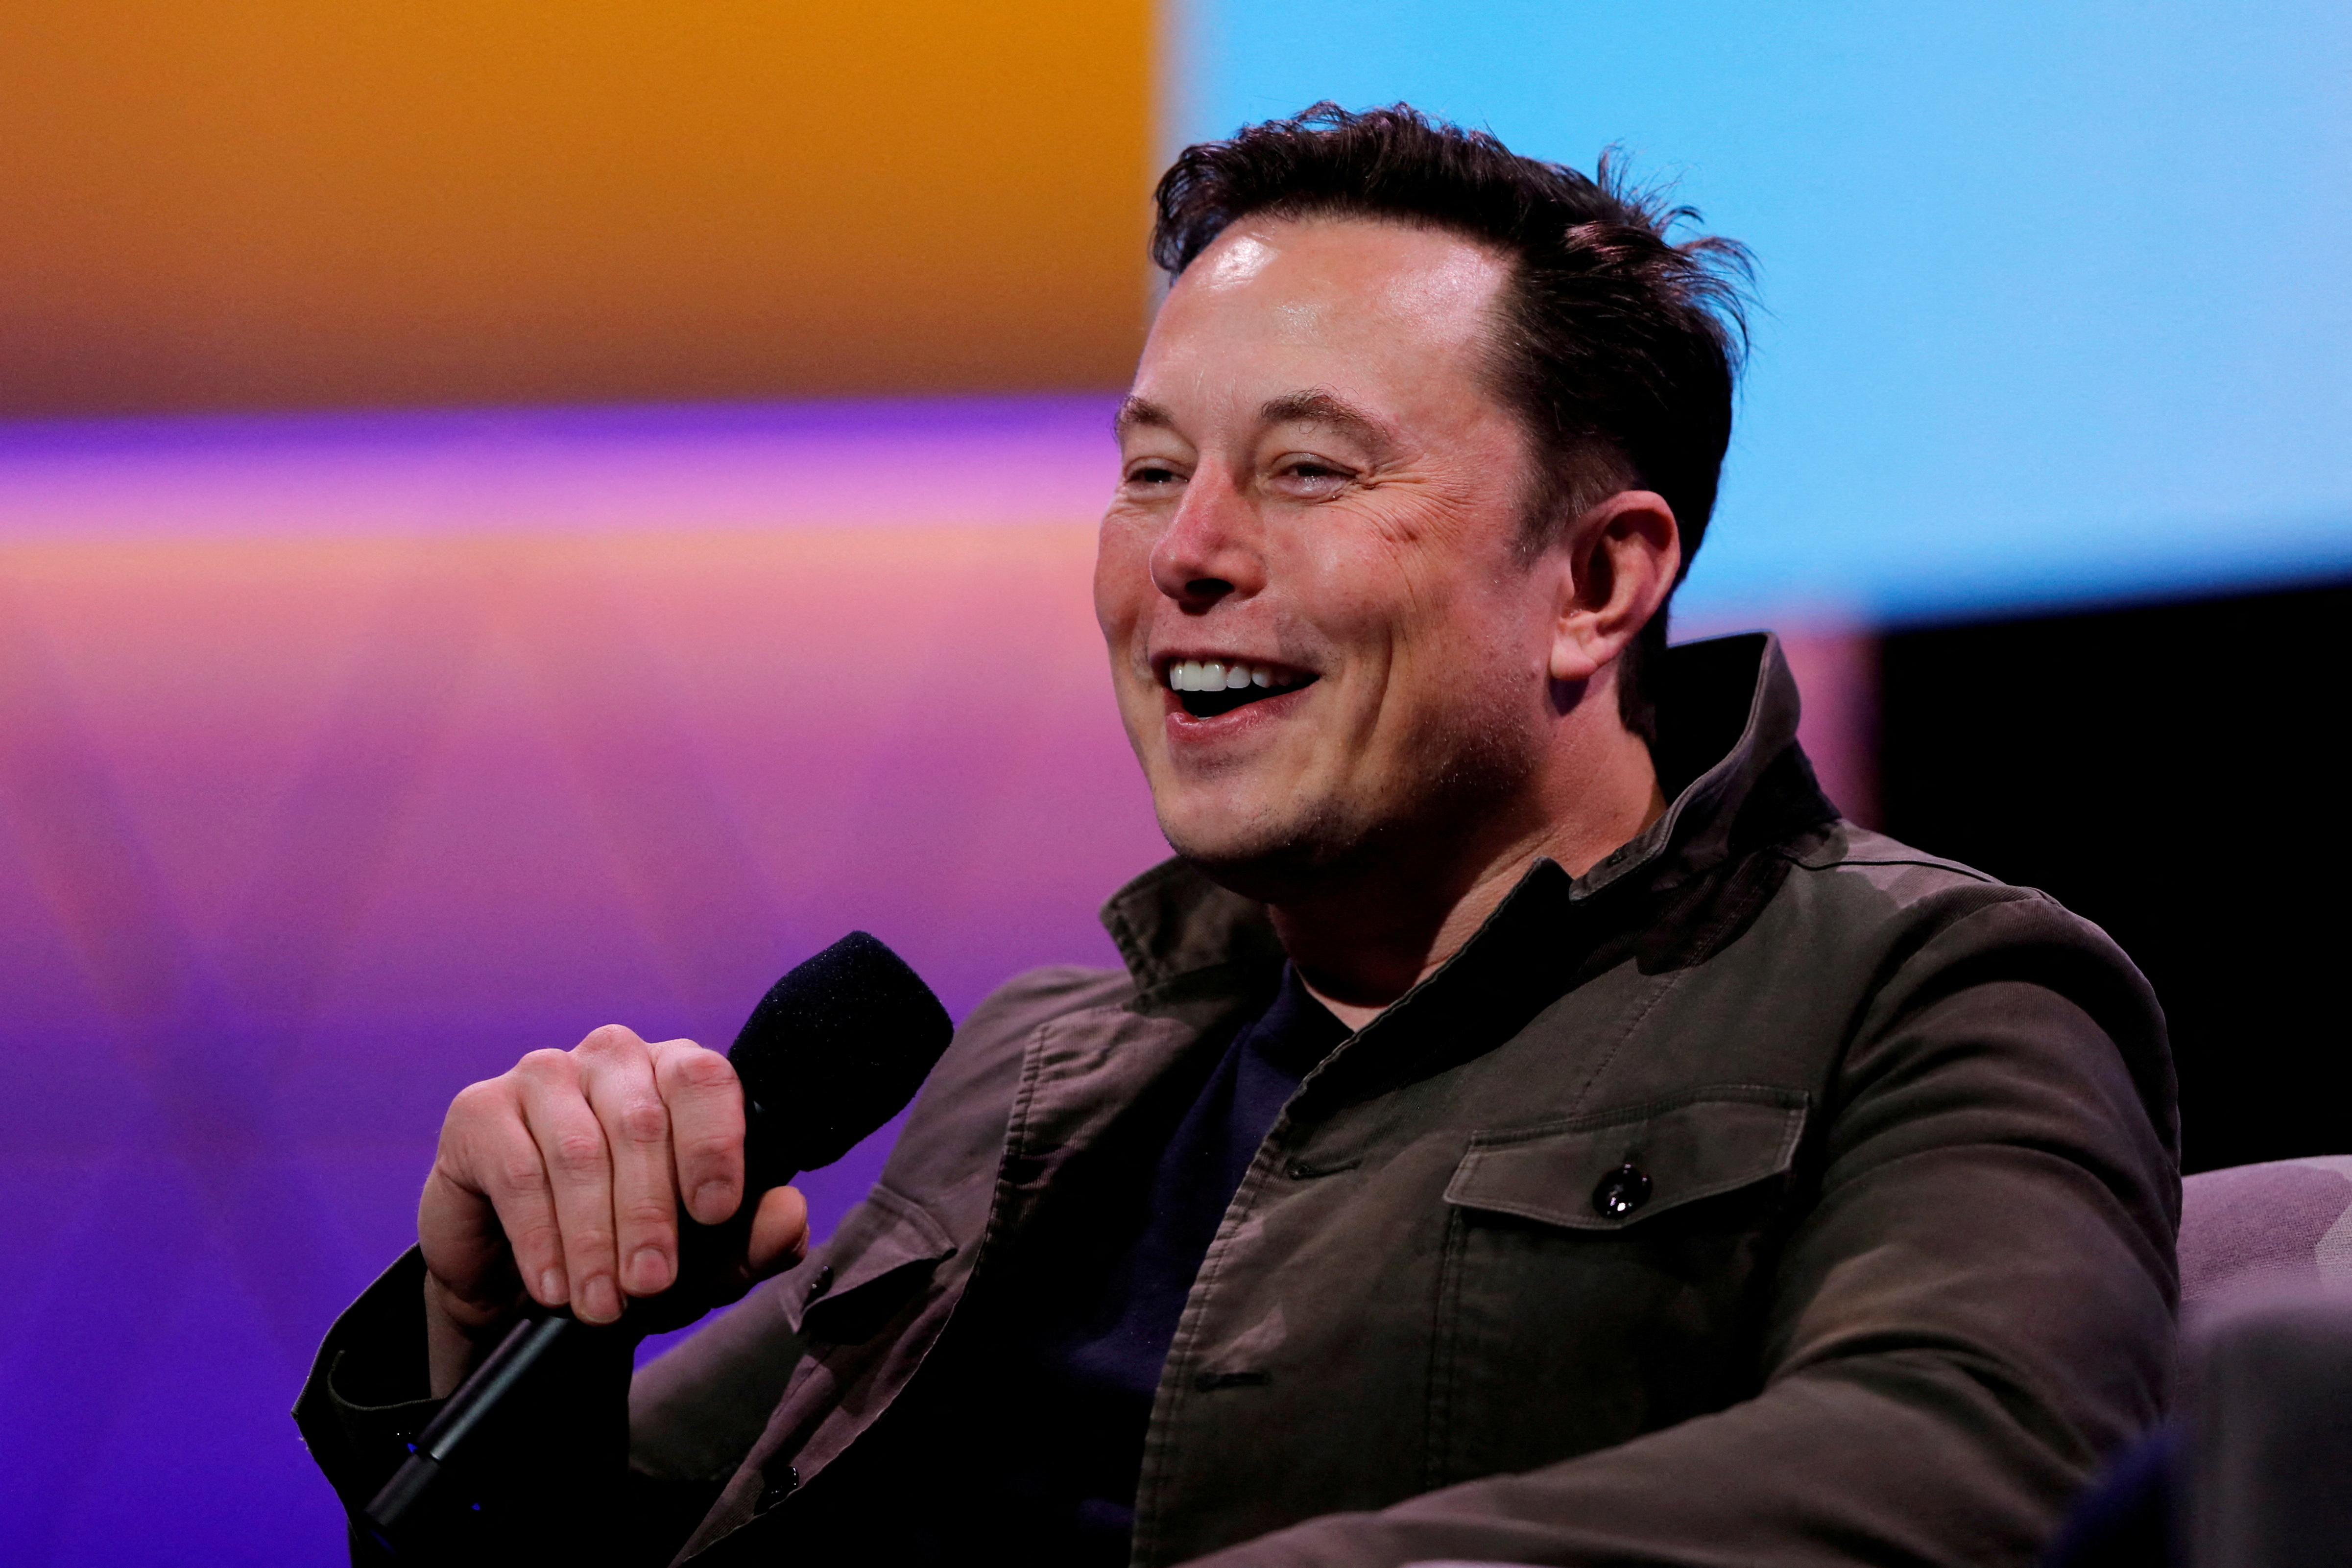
(303, 204)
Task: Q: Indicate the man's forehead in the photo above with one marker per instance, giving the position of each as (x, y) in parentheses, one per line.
(1356, 310)
(1235, 258)
(1392, 265)
(1325, 321)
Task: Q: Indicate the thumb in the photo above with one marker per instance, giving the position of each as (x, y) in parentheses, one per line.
(466, 1253)
(778, 1232)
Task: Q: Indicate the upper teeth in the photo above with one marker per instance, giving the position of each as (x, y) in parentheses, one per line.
(1223, 675)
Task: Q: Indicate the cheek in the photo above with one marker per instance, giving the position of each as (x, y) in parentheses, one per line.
(1392, 576)
(1397, 624)
(1350, 591)
(1462, 660)
(1122, 579)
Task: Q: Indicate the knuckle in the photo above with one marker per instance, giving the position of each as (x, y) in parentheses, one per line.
(490, 1100)
(523, 1174)
(699, 1068)
(534, 1240)
(610, 1041)
(544, 1065)
(647, 1214)
(705, 1145)
(642, 1119)
(576, 1151)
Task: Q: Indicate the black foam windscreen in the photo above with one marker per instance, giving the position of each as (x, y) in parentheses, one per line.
(835, 1049)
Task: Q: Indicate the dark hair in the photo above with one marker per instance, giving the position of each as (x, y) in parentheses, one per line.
(1618, 347)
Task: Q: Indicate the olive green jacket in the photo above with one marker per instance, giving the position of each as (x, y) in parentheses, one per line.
(1771, 1193)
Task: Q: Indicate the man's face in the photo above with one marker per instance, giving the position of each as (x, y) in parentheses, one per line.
(1318, 513)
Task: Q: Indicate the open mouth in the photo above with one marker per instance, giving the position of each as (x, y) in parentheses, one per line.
(1207, 688)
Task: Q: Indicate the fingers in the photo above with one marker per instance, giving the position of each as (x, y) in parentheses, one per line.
(487, 1215)
(778, 1232)
(567, 1171)
(672, 1117)
(706, 1127)
(577, 1170)
(618, 1074)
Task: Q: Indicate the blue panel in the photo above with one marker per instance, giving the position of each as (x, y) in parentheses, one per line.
(2056, 301)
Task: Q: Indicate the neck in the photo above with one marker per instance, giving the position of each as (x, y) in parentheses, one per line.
(1365, 935)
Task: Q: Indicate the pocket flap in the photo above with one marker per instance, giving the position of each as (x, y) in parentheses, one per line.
(1615, 1168)
(883, 1238)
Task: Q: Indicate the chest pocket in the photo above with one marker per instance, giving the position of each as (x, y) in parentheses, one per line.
(884, 1251)
(1618, 1168)
(1590, 1294)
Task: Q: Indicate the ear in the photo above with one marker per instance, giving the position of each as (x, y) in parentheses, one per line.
(1621, 558)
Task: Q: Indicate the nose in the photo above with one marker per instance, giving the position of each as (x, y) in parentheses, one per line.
(1210, 550)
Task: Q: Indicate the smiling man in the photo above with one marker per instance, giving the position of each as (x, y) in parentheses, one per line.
(1368, 650)
(1530, 1125)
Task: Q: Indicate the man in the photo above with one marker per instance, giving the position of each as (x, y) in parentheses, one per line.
(1531, 1126)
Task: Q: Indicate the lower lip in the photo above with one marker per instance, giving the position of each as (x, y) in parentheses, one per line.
(1183, 726)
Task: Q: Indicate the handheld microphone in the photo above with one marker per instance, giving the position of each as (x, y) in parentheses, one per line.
(835, 1049)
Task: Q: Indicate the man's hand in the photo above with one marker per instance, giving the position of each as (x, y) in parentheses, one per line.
(562, 1178)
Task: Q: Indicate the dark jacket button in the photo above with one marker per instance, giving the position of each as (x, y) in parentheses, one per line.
(777, 1490)
(1621, 1191)
(820, 1284)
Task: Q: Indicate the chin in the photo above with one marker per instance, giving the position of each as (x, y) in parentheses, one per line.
(1271, 861)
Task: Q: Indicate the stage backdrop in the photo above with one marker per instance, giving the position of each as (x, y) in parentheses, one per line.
(343, 762)
(311, 204)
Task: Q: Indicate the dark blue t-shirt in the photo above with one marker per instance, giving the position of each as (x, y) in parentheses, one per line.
(1099, 1367)
(1027, 1445)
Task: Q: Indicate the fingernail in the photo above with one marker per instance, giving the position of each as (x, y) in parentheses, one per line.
(648, 1270)
(599, 1302)
(714, 1199)
(550, 1287)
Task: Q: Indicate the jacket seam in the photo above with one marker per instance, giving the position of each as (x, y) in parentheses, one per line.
(1740, 910)
(1659, 990)
(910, 1211)
(1774, 1095)
(1445, 1341)
(1926, 862)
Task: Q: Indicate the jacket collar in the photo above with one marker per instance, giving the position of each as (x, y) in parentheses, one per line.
(1727, 755)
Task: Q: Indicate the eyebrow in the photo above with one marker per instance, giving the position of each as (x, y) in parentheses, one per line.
(1311, 406)
(1137, 411)
(1316, 406)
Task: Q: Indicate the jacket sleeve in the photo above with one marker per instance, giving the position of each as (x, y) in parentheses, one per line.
(1973, 1304)
(550, 1479)
(369, 1393)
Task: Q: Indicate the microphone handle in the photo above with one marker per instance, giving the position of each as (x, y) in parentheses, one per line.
(417, 1495)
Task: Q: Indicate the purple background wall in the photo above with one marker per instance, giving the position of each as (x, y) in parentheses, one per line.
(343, 761)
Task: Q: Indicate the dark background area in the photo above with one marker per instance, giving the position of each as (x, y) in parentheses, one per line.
(2171, 771)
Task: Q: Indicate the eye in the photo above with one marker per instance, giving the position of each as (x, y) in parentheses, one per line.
(1308, 477)
(1153, 473)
